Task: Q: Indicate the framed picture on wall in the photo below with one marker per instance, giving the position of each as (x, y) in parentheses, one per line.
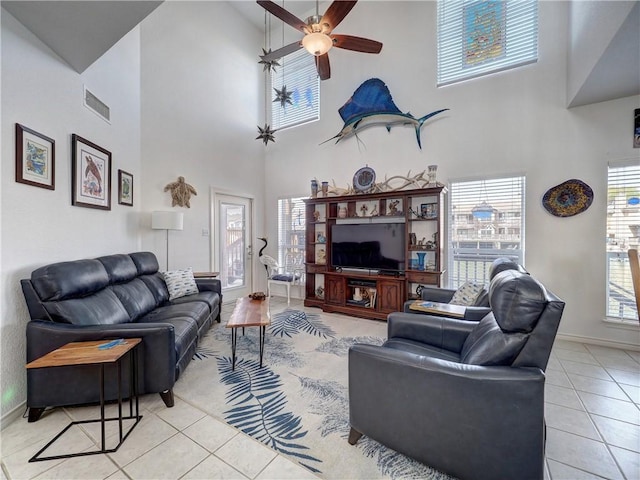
(125, 188)
(35, 158)
(90, 174)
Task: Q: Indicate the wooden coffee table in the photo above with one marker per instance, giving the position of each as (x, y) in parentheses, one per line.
(248, 313)
(447, 309)
(88, 353)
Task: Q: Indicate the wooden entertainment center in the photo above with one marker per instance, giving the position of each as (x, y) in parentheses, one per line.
(376, 293)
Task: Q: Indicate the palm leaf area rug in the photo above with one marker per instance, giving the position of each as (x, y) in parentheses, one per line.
(297, 403)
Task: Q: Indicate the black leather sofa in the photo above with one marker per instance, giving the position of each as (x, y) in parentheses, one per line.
(466, 398)
(115, 296)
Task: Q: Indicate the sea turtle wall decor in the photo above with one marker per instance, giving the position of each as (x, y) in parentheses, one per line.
(181, 192)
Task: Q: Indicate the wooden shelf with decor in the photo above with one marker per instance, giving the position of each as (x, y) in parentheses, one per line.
(332, 289)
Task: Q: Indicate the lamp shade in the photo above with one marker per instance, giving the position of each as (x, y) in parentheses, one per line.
(317, 43)
(167, 220)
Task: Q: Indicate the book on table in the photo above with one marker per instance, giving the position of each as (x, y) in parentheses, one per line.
(438, 308)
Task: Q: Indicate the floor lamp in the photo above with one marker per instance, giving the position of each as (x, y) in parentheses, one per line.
(167, 221)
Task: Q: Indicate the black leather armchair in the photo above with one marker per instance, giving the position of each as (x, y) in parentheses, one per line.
(480, 308)
(465, 398)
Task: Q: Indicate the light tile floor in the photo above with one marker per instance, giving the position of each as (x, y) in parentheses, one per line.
(592, 411)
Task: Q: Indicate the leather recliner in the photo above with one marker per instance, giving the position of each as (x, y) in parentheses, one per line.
(480, 308)
(463, 397)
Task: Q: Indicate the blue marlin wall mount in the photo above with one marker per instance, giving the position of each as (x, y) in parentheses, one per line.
(371, 105)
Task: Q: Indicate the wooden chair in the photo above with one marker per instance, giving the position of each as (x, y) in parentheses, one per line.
(292, 273)
(634, 262)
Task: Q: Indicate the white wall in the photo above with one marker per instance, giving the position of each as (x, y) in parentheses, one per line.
(200, 108)
(593, 26)
(40, 226)
(510, 123)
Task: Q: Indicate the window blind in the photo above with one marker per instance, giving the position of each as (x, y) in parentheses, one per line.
(623, 232)
(480, 37)
(291, 228)
(298, 73)
(486, 221)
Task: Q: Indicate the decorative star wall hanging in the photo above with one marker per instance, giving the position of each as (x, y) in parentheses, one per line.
(268, 64)
(283, 96)
(266, 134)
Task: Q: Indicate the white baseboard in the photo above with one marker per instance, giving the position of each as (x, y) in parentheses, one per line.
(598, 341)
(12, 415)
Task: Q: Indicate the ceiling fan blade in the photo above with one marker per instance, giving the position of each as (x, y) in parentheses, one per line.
(281, 52)
(322, 64)
(336, 13)
(358, 44)
(282, 14)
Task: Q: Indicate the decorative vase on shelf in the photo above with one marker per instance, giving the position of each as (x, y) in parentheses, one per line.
(431, 174)
(421, 256)
(314, 188)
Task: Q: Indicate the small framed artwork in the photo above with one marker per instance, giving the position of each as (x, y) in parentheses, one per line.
(636, 128)
(423, 210)
(35, 158)
(125, 188)
(90, 174)
(429, 210)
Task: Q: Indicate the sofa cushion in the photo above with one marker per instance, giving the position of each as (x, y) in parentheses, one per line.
(212, 299)
(119, 267)
(101, 308)
(146, 262)
(198, 311)
(517, 301)
(487, 344)
(180, 283)
(59, 281)
(156, 285)
(136, 298)
(467, 293)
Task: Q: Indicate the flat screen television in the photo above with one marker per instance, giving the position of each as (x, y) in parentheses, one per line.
(370, 246)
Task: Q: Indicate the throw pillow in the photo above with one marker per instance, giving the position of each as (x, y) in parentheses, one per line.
(467, 294)
(180, 283)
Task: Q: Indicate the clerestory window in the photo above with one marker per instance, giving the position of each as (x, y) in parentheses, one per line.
(480, 37)
(297, 72)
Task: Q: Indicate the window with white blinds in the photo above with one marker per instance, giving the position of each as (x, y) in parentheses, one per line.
(623, 232)
(486, 221)
(291, 229)
(298, 73)
(480, 37)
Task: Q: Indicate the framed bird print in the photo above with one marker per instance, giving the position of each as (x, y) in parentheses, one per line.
(125, 188)
(90, 174)
(35, 158)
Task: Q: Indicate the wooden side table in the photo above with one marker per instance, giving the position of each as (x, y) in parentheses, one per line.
(88, 353)
(205, 274)
(447, 309)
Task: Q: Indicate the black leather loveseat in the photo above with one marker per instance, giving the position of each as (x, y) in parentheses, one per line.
(116, 296)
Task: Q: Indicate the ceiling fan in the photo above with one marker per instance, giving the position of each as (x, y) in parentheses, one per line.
(318, 37)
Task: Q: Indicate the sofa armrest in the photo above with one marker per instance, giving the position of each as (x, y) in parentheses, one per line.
(209, 285)
(156, 357)
(475, 314)
(436, 294)
(439, 411)
(441, 332)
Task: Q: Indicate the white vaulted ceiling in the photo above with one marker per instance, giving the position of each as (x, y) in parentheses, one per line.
(80, 32)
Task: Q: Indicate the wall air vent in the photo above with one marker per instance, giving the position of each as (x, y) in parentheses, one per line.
(97, 106)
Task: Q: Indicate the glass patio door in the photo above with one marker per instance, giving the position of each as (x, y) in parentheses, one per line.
(233, 246)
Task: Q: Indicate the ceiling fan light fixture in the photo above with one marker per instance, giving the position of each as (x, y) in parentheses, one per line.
(317, 43)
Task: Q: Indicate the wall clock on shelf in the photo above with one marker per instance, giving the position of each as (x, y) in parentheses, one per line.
(364, 179)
